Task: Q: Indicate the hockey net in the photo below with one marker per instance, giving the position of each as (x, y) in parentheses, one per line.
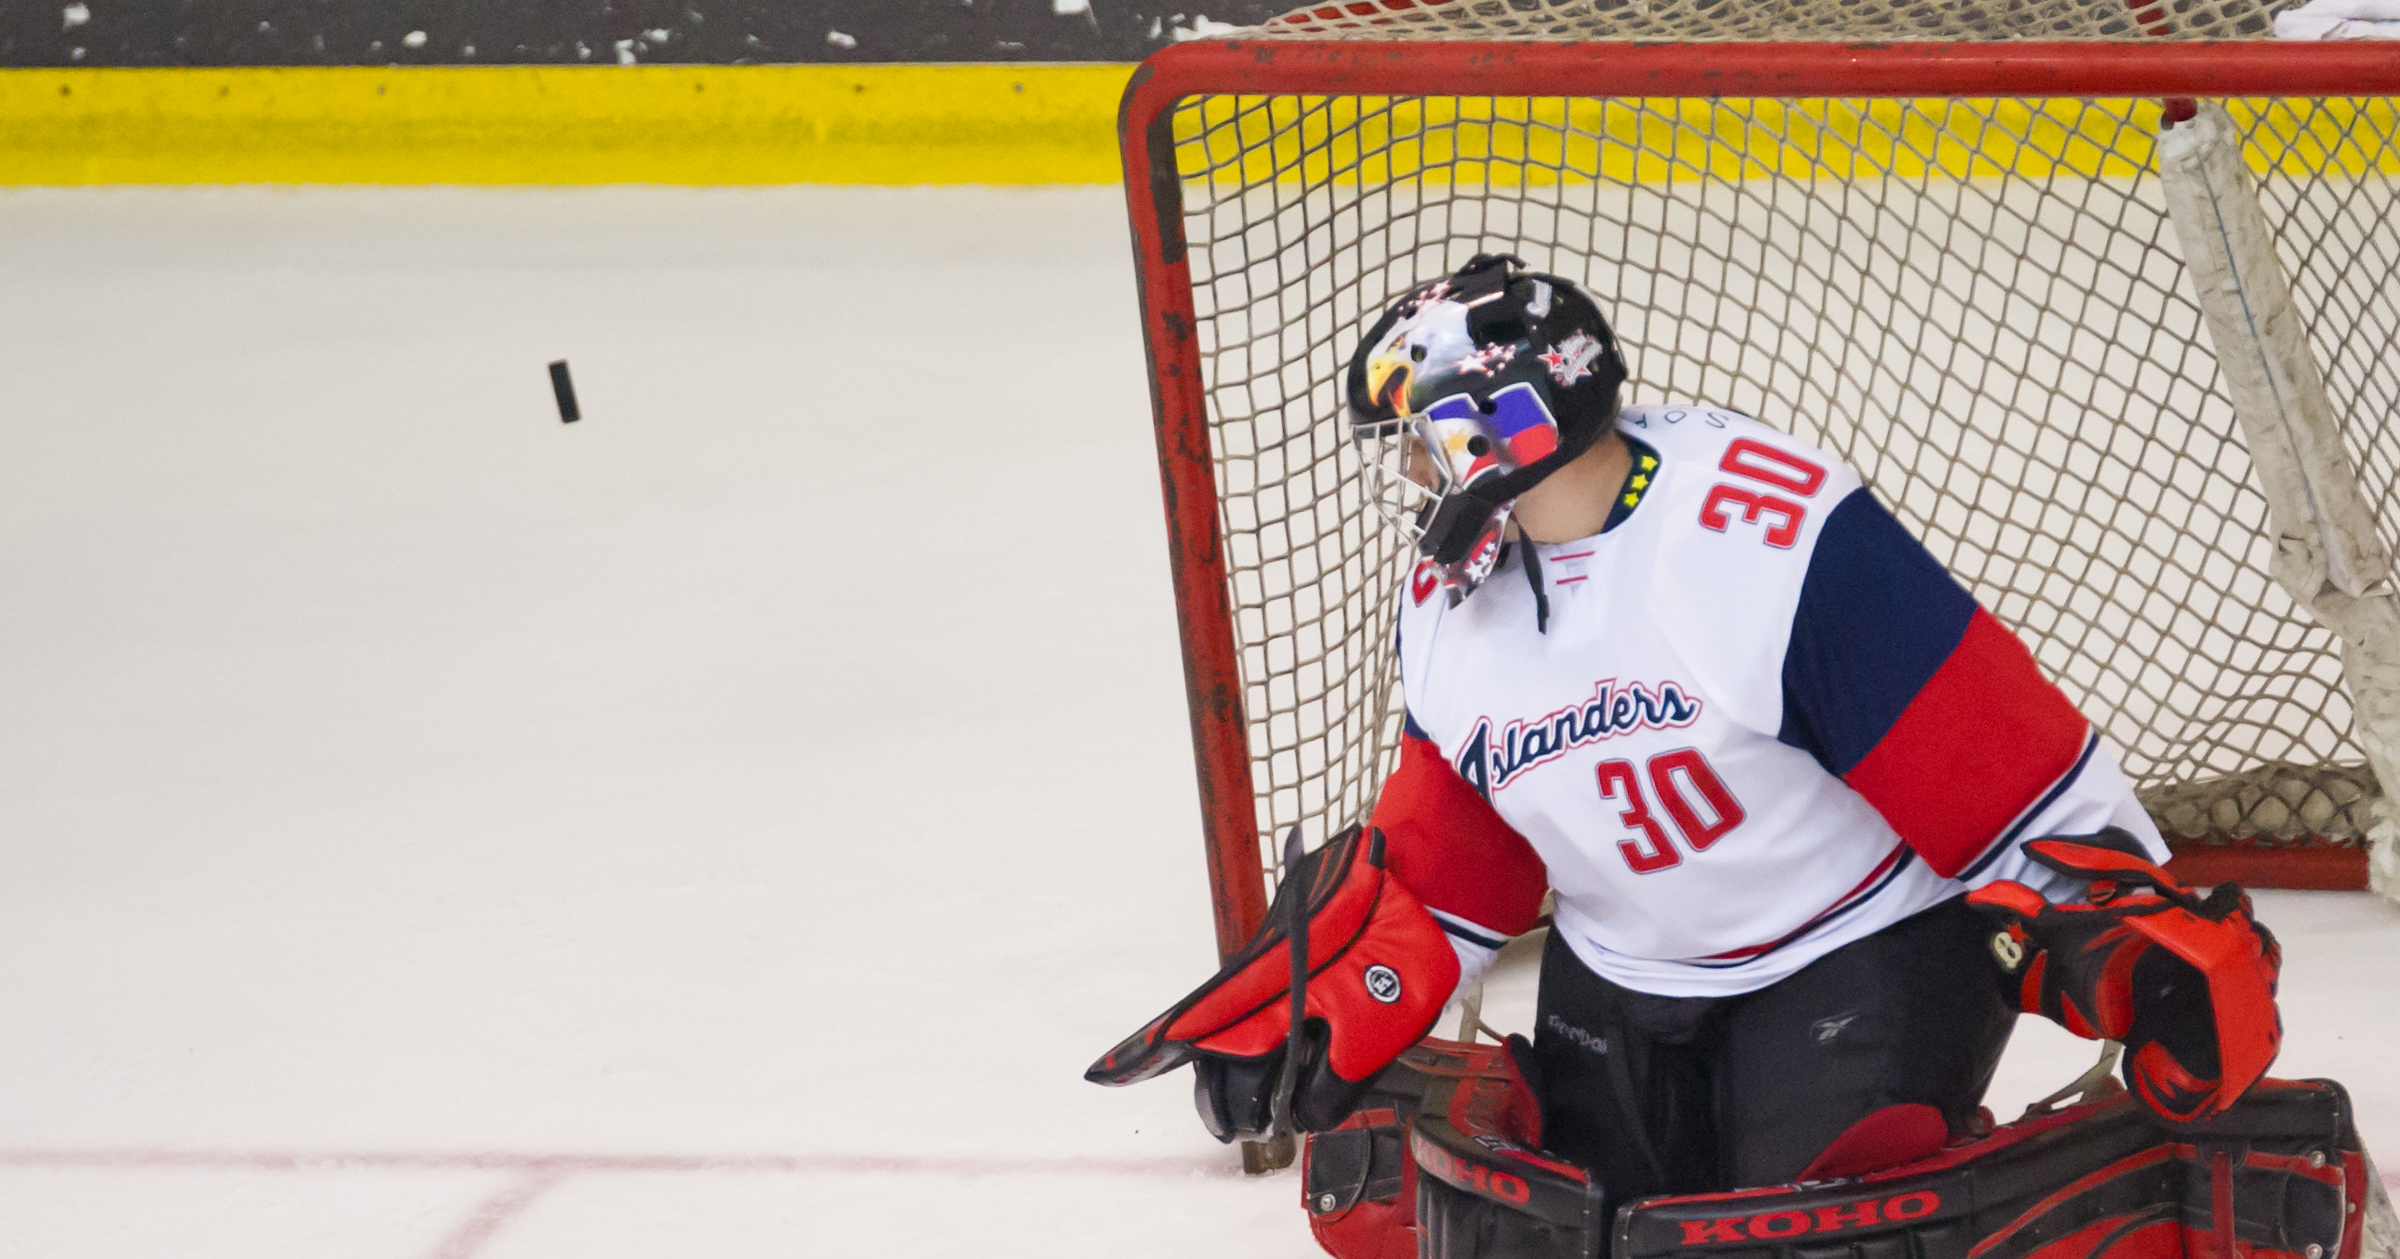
(1978, 301)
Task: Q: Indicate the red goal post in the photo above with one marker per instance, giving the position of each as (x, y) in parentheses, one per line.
(1156, 190)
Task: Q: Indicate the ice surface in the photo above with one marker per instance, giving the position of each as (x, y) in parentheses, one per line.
(725, 826)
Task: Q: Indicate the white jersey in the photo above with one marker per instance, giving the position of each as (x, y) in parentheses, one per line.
(1754, 722)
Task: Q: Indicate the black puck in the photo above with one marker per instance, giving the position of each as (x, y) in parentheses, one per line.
(564, 386)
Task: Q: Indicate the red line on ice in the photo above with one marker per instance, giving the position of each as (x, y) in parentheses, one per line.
(561, 1164)
(538, 1174)
(494, 1213)
(141, 1159)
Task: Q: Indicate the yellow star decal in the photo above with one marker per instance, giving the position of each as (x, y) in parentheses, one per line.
(1649, 462)
(1640, 482)
(1631, 499)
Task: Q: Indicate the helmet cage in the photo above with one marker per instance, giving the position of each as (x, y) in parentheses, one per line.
(1446, 477)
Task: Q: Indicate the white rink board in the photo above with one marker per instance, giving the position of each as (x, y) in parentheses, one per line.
(726, 826)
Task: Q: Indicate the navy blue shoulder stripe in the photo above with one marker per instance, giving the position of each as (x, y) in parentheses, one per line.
(1877, 616)
(1409, 726)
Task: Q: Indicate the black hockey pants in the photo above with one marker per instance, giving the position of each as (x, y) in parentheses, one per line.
(1730, 1092)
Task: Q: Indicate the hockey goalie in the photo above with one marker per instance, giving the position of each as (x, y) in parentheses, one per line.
(1816, 829)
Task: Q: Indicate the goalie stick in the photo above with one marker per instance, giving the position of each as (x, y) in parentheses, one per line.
(1297, 928)
(1378, 969)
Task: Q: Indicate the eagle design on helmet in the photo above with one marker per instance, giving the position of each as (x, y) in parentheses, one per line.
(1468, 391)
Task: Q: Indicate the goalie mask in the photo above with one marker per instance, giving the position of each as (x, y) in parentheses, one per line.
(1468, 391)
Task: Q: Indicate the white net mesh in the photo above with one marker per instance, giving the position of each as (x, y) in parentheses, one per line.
(1842, 20)
(1979, 304)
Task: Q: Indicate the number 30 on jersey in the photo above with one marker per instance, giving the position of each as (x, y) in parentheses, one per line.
(1674, 778)
(1777, 516)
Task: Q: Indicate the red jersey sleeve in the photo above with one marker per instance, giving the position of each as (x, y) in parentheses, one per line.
(1905, 689)
(1445, 843)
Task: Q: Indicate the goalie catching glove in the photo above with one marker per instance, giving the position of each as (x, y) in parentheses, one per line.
(1379, 971)
(2186, 983)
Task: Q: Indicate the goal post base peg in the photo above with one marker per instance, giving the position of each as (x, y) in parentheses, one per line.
(1271, 1155)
